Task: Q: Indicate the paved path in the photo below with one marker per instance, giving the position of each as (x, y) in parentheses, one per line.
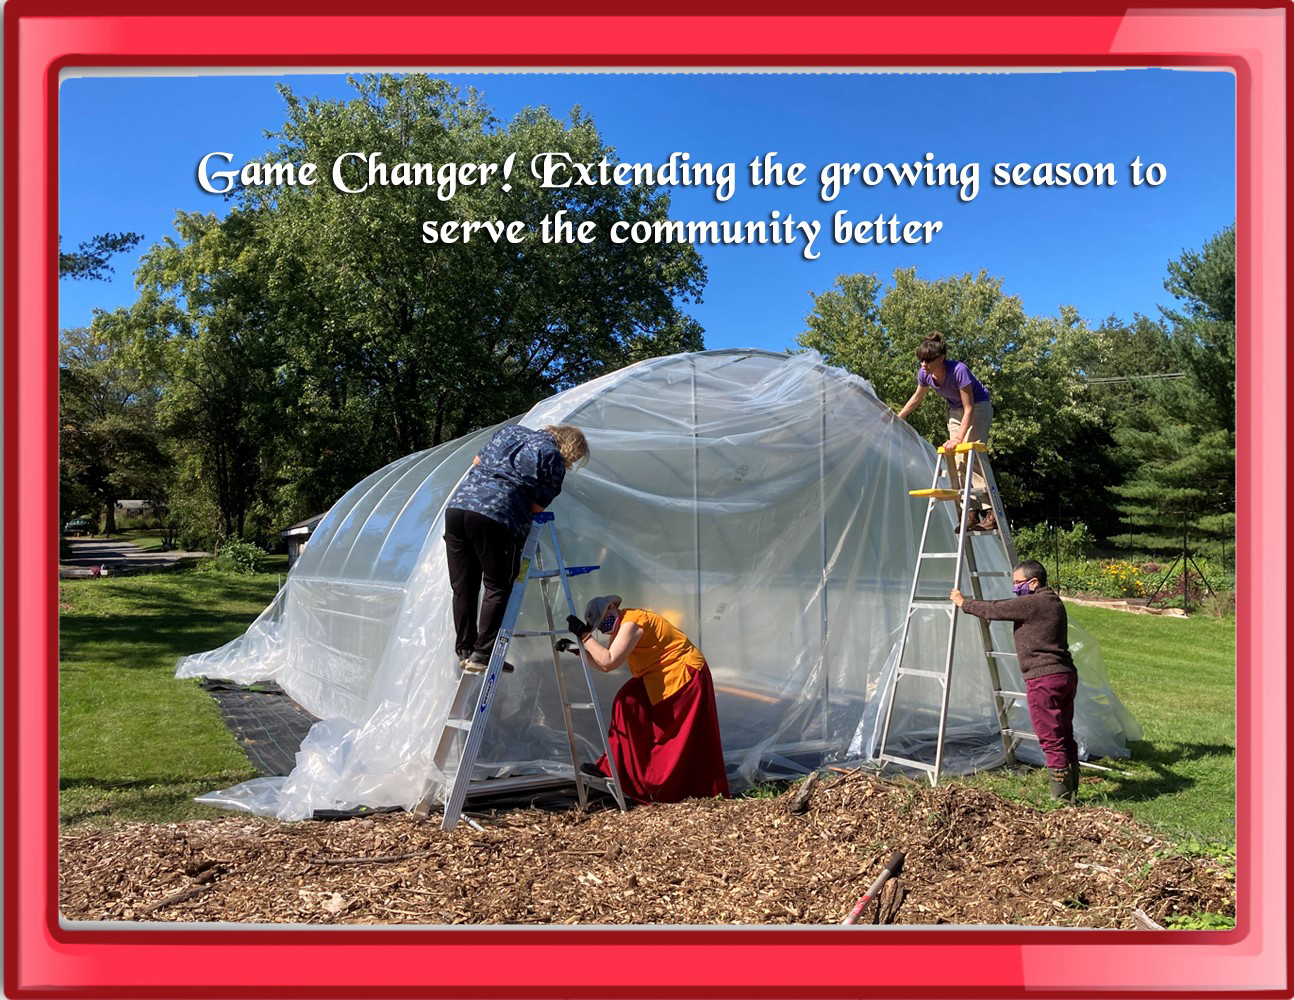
(116, 555)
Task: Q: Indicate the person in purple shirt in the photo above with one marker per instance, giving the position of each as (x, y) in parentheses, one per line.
(488, 516)
(970, 411)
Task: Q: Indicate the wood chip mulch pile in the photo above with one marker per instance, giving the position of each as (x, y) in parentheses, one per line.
(971, 858)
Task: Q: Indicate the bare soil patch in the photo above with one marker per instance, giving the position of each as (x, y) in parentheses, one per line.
(972, 858)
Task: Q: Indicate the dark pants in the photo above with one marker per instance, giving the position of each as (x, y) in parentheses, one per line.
(1051, 710)
(479, 550)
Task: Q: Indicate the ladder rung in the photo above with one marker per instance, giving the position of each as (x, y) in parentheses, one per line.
(1020, 735)
(580, 704)
(990, 572)
(944, 605)
(459, 723)
(936, 494)
(938, 555)
(890, 758)
(527, 633)
(1001, 654)
(1011, 694)
(914, 672)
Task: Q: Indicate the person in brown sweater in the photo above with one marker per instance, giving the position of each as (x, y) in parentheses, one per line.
(1041, 629)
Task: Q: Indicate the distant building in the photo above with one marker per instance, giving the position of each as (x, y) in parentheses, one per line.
(297, 535)
(137, 510)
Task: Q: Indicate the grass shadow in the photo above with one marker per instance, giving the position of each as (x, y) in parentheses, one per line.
(1164, 775)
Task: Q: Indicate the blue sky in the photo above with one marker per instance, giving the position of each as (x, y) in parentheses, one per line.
(129, 149)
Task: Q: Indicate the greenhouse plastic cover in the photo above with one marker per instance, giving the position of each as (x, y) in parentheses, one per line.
(758, 501)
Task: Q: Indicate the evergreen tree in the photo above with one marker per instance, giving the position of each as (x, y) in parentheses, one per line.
(1181, 448)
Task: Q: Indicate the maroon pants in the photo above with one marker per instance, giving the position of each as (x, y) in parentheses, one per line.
(669, 751)
(1051, 710)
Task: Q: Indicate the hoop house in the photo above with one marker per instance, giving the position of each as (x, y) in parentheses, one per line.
(758, 501)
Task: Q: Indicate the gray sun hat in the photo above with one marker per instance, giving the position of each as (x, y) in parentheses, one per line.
(596, 609)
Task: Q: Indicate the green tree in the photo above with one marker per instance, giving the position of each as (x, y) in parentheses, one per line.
(1181, 447)
(204, 330)
(441, 338)
(109, 444)
(1049, 446)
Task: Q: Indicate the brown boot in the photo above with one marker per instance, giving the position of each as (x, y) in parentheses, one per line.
(988, 521)
(972, 522)
(1058, 784)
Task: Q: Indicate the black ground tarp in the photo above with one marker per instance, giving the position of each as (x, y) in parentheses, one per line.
(268, 724)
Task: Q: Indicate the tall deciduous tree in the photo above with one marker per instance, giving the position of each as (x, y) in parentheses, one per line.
(443, 337)
(204, 330)
(1049, 445)
(109, 443)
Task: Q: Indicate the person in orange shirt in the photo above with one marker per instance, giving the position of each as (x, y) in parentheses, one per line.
(664, 732)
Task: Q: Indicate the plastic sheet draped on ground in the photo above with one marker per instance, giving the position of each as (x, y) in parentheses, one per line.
(758, 501)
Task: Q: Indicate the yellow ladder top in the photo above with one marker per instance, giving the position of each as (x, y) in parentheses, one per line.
(966, 446)
(943, 494)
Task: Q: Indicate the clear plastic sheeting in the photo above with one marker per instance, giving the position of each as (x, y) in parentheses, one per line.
(758, 501)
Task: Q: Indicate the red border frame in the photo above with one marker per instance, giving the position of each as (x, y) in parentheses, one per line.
(43, 958)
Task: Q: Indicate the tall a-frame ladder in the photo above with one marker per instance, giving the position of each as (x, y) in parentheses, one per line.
(469, 715)
(954, 484)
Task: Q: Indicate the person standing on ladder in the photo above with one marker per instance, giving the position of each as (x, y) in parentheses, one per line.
(970, 411)
(517, 475)
(664, 731)
(1041, 629)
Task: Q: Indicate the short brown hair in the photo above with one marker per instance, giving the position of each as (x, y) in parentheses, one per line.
(570, 442)
(933, 347)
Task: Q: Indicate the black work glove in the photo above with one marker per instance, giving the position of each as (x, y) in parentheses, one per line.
(578, 626)
(567, 646)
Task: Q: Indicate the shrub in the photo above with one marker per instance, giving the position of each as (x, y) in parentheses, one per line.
(1040, 541)
(237, 556)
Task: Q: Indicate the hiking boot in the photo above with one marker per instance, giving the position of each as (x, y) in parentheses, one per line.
(1058, 783)
(987, 522)
(972, 522)
(592, 769)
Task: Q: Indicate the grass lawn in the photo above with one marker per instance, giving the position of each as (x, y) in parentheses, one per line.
(1178, 679)
(134, 743)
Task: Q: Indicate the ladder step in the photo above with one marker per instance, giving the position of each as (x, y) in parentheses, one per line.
(938, 555)
(1020, 734)
(914, 672)
(580, 704)
(1002, 654)
(990, 572)
(942, 605)
(528, 633)
(891, 759)
(458, 724)
(1011, 694)
(542, 574)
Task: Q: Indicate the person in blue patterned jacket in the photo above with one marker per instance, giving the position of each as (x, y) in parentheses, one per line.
(517, 475)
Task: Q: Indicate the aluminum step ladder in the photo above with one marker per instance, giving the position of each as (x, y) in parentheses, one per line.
(952, 483)
(469, 715)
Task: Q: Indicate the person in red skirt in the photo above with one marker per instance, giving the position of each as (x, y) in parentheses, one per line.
(664, 732)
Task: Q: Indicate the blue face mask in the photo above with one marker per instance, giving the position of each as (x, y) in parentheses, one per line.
(1021, 588)
(607, 623)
